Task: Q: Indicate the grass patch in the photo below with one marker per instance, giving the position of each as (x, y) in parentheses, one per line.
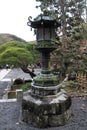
(71, 86)
(11, 95)
(26, 86)
(23, 86)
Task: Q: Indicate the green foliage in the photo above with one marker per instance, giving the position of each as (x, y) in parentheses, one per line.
(70, 86)
(79, 32)
(11, 44)
(69, 14)
(26, 86)
(30, 46)
(15, 53)
(20, 84)
(34, 52)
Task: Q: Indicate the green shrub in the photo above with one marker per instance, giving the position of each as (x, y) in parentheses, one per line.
(26, 86)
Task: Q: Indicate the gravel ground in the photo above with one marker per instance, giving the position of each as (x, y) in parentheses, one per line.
(10, 116)
(10, 113)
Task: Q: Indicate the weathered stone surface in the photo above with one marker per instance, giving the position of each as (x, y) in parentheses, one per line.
(57, 120)
(49, 111)
(19, 94)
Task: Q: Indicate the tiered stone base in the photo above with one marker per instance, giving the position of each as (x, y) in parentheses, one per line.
(52, 110)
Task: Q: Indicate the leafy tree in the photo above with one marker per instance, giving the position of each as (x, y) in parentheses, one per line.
(18, 54)
(34, 52)
(15, 53)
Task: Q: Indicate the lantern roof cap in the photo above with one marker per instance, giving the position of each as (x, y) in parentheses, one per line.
(43, 17)
(43, 20)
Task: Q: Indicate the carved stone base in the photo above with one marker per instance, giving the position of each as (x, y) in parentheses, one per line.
(52, 110)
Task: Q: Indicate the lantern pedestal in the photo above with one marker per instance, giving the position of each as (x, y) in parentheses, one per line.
(47, 112)
(46, 106)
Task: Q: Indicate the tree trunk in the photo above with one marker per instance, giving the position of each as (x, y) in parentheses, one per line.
(31, 72)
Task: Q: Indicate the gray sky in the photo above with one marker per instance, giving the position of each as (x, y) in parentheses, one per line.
(14, 17)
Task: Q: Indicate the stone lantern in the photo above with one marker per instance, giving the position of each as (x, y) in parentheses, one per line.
(46, 103)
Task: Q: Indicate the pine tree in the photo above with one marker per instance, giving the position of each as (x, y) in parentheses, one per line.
(69, 14)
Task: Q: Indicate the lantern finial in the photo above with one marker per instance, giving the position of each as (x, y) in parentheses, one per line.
(45, 11)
